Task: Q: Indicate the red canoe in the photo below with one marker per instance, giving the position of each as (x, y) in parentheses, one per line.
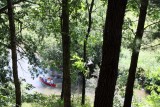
(46, 82)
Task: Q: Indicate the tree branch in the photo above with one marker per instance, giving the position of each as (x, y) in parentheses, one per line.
(90, 19)
(87, 5)
(151, 46)
(5, 7)
(158, 22)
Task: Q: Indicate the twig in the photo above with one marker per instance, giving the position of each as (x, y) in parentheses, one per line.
(21, 67)
(151, 46)
(132, 31)
(87, 4)
(158, 22)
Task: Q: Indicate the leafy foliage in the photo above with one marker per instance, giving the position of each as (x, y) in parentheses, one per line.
(38, 29)
(50, 101)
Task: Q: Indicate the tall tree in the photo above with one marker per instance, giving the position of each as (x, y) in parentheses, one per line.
(85, 48)
(110, 56)
(62, 91)
(66, 54)
(14, 53)
(135, 53)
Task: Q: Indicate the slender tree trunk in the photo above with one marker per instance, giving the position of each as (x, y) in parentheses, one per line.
(135, 53)
(83, 89)
(66, 54)
(85, 51)
(110, 56)
(14, 54)
(62, 91)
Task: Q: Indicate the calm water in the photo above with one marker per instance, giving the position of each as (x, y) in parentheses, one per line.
(24, 73)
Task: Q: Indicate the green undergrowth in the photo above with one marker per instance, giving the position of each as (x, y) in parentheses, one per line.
(39, 100)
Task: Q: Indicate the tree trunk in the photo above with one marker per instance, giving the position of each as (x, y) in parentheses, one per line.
(135, 53)
(110, 56)
(85, 50)
(83, 89)
(66, 54)
(14, 54)
(62, 91)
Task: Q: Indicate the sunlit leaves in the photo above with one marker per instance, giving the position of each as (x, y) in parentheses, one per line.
(78, 63)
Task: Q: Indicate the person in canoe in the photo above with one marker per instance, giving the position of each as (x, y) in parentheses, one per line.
(48, 81)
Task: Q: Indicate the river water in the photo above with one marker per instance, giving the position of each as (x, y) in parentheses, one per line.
(24, 74)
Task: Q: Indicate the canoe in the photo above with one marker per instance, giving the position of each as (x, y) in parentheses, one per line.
(43, 80)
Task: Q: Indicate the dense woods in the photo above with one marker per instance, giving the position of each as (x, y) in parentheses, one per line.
(79, 53)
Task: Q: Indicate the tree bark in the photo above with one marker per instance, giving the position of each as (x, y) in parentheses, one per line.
(62, 91)
(110, 56)
(135, 53)
(85, 50)
(66, 54)
(14, 53)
